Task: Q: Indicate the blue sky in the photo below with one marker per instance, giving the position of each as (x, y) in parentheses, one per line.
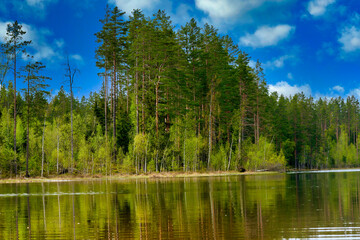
(311, 46)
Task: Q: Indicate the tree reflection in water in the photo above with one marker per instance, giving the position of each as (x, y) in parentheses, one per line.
(261, 207)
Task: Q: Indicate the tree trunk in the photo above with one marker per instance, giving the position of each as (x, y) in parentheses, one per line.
(295, 140)
(210, 129)
(232, 138)
(143, 97)
(42, 149)
(57, 150)
(114, 110)
(157, 107)
(137, 95)
(15, 160)
(105, 103)
(185, 151)
(127, 93)
(27, 129)
(72, 130)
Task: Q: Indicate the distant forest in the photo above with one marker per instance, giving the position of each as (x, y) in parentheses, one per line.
(171, 100)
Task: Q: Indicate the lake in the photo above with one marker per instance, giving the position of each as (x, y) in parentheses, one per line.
(277, 206)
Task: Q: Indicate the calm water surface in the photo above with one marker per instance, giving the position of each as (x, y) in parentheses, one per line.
(280, 206)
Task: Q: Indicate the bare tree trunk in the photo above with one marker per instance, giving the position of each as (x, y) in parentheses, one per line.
(27, 129)
(185, 151)
(114, 110)
(72, 131)
(357, 144)
(42, 149)
(137, 95)
(15, 160)
(106, 124)
(210, 129)
(143, 97)
(257, 119)
(70, 73)
(57, 150)
(105, 103)
(232, 138)
(295, 140)
(146, 150)
(157, 107)
(127, 93)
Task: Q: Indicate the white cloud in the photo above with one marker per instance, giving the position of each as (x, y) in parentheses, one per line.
(283, 88)
(278, 62)
(290, 76)
(78, 58)
(229, 8)
(182, 14)
(3, 27)
(129, 5)
(25, 8)
(355, 92)
(40, 47)
(350, 39)
(267, 36)
(338, 88)
(318, 7)
(252, 63)
(39, 3)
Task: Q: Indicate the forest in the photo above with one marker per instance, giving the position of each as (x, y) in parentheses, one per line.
(172, 99)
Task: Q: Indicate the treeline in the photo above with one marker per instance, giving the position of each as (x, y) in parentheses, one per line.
(172, 100)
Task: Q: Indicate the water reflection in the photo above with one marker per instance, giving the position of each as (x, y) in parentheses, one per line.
(251, 207)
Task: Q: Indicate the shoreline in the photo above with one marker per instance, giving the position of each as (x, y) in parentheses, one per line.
(163, 175)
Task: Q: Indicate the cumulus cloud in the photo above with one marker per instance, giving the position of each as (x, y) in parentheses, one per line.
(284, 88)
(39, 3)
(26, 8)
(267, 36)
(338, 88)
(318, 7)
(277, 62)
(182, 14)
(229, 8)
(350, 39)
(355, 92)
(40, 47)
(78, 58)
(3, 27)
(252, 63)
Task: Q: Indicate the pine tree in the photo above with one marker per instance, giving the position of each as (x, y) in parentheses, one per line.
(116, 29)
(102, 57)
(35, 82)
(13, 46)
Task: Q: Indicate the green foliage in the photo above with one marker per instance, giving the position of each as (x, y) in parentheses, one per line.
(264, 156)
(343, 153)
(219, 159)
